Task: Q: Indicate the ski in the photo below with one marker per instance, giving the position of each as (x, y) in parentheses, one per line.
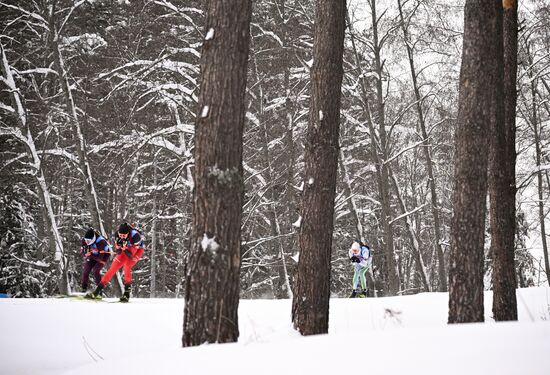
(79, 297)
(82, 297)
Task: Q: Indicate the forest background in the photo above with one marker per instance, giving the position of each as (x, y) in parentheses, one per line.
(98, 103)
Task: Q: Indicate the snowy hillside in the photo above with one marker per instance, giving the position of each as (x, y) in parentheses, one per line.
(398, 335)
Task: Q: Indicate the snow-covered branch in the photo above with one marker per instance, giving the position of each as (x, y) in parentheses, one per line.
(10, 82)
(41, 21)
(68, 16)
(35, 71)
(142, 139)
(402, 151)
(408, 213)
(6, 108)
(31, 263)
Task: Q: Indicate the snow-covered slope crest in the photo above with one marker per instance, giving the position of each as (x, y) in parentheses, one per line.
(398, 335)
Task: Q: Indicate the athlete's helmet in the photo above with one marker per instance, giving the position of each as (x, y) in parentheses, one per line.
(89, 237)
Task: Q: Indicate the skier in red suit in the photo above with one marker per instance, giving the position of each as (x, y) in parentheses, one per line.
(129, 247)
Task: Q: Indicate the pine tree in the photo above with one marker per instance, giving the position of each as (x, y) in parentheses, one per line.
(310, 304)
(477, 88)
(212, 275)
(502, 175)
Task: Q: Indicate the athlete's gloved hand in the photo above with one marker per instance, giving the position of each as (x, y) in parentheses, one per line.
(354, 259)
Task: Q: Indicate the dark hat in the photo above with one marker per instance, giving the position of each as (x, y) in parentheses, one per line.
(124, 228)
(90, 233)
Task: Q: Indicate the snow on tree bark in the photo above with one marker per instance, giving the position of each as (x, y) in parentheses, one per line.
(310, 304)
(212, 275)
(28, 140)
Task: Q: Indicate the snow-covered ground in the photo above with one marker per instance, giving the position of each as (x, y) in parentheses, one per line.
(398, 335)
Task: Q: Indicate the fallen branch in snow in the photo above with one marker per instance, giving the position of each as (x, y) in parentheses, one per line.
(392, 314)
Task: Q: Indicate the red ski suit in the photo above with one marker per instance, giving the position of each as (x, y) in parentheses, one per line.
(130, 253)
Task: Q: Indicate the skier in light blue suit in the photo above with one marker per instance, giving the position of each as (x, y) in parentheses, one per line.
(361, 258)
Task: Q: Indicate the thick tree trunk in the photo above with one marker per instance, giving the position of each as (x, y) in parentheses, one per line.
(477, 86)
(502, 176)
(212, 275)
(426, 148)
(310, 304)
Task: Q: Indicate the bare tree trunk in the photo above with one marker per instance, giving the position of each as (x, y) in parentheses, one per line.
(540, 183)
(290, 195)
(392, 277)
(310, 304)
(477, 86)
(502, 177)
(184, 228)
(412, 237)
(281, 286)
(154, 235)
(383, 180)
(87, 178)
(290, 199)
(426, 148)
(352, 206)
(212, 275)
(24, 135)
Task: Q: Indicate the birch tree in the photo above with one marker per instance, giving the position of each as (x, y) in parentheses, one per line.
(22, 133)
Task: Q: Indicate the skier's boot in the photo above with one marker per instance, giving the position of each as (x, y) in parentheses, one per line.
(96, 294)
(353, 293)
(126, 296)
(363, 293)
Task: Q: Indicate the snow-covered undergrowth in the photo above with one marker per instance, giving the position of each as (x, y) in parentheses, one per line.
(398, 335)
